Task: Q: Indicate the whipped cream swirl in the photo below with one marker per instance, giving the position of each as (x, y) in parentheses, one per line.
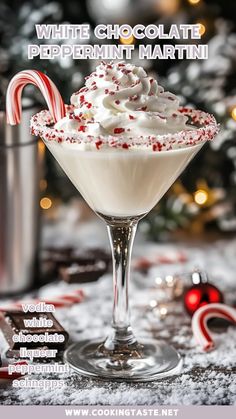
(120, 99)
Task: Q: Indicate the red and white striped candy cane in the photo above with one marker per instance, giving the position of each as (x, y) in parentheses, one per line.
(202, 315)
(62, 301)
(45, 85)
(4, 374)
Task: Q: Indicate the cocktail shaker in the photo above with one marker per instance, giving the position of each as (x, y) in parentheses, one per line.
(19, 204)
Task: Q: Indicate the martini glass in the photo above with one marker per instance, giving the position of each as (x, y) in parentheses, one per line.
(122, 186)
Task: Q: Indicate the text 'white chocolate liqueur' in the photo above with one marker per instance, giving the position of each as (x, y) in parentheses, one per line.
(120, 99)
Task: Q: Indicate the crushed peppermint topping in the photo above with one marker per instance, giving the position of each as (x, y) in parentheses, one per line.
(42, 125)
(149, 116)
(119, 130)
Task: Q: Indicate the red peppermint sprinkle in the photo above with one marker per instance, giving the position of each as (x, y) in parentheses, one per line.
(131, 117)
(89, 105)
(106, 91)
(161, 116)
(125, 145)
(157, 147)
(98, 144)
(151, 80)
(135, 97)
(118, 130)
(82, 128)
(144, 108)
(183, 110)
(117, 102)
(81, 99)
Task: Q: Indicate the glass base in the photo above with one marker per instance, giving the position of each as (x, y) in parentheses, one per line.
(148, 361)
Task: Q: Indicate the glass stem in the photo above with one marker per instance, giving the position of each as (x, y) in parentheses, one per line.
(121, 235)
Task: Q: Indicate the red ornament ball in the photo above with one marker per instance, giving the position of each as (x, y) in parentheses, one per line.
(199, 295)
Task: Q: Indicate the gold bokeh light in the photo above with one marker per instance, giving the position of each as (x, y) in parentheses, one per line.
(127, 41)
(233, 113)
(202, 28)
(41, 147)
(45, 203)
(201, 196)
(43, 184)
(193, 2)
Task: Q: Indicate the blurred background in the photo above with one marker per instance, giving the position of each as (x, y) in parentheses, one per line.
(203, 201)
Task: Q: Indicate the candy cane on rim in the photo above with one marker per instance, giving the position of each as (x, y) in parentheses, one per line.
(202, 315)
(45, 85)
(62, 301)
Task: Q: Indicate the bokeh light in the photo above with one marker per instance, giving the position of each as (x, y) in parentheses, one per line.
(45, 203)
(201, 196)
(233, 113)
(43, 184)
(202, 28)
(127, 41)
(194, 2)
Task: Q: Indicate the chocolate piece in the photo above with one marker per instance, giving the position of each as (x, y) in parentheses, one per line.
(83, 273)
(59, 255)
(52, 259)
(86, 265)
(12, 323)
(99, 254)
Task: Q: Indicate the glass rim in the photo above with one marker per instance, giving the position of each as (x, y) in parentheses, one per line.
(204, 129)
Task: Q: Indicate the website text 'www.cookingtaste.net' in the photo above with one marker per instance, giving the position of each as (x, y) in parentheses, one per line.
(121, 412)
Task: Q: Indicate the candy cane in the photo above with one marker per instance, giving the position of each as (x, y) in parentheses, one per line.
(62, 301)
(202, 315)
(148, 262)
(45, 85)
(4, 374)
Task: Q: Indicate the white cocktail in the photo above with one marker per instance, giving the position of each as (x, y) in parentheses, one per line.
(123, 142)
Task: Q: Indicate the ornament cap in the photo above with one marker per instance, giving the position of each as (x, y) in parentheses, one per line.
(199, 277)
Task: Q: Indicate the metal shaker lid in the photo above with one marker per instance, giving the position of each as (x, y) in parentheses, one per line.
(18, 134)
